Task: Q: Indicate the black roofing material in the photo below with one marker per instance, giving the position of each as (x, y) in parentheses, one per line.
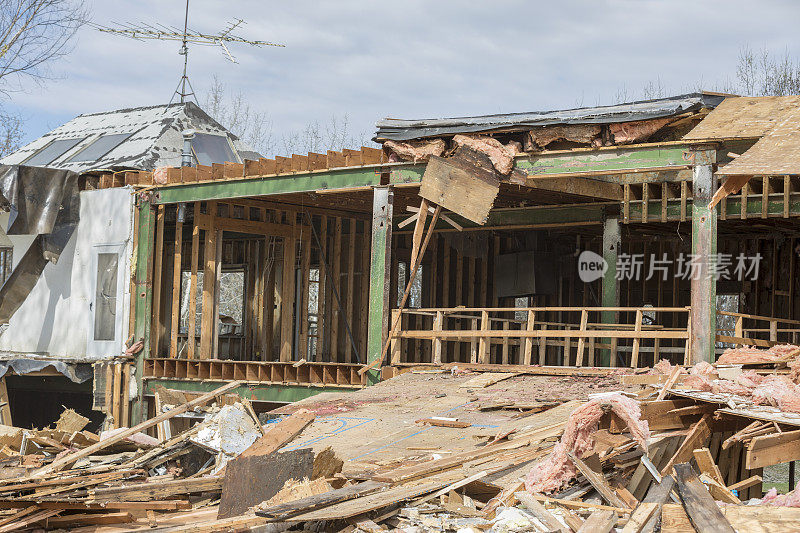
(404, 130)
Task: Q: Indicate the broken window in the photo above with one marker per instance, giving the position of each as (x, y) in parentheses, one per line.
(105, 313)
(100, 147)
(6, 263)
(51, 152)
(415, 296)
(210, 149)
(231, 302)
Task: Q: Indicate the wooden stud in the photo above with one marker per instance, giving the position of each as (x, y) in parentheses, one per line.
(636, 341)
(351, 293)
(336, 280)
(176, 290)
(527, 353)
(157, 288)
(437, 341)
(191, 334)
(287, 297)
(208, 314)
(582, 340)
(322, 324)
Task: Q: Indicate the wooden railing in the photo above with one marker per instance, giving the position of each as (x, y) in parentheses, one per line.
(754, 330)
(574, 336)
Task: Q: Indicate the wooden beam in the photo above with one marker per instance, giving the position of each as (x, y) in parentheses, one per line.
(700, 506)
(773, 449)
(176, 288)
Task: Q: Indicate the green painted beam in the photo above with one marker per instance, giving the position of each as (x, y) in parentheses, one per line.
(289, 183)
(605, 161)
(143, 297)
(528, 216)
(733, 206)
(612, 239)
(258, 392)
(380, 266)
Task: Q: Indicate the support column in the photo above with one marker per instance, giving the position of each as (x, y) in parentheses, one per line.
(610, 294)
(379, 275)
(704, 251)
(143, 299)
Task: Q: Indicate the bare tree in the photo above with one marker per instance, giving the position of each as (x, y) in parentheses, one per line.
(10, 133)
(32, 34)
(256, 128)
(765, 74)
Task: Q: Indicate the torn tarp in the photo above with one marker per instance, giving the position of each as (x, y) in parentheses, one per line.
(44, 202)
(76, 372)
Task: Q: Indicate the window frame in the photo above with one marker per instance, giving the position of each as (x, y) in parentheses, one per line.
(107, 348)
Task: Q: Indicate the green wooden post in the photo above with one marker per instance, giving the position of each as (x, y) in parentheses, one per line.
(610, 292)
(379, 275)
(143, 310)
(704, 250)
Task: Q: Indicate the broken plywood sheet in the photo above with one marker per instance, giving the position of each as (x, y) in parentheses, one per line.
(462, 184)
(250, 480)
(487, 379)
(775, 153)
(744, 117)
(71, 422)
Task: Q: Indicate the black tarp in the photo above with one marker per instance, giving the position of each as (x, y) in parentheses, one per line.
(44, 202)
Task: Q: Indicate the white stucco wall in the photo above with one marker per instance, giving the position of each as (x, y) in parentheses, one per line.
(55, 319)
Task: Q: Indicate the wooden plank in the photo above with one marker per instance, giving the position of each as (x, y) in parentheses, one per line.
(675, 520)
(5, 406)
(253, 478)
(305, 269)
(22, 522)
(640, 517)
(176, 290)
(283, 511)
(486, 380)
(598, 482)
(582, 341)
(539, 511)
(697, 438)
(700, 506)
(527, 353)
(191, 338)
(62, 462)
(157, 285)
(322, 322)
(707, 465)
(461, 184)
(208, 317)
(336, 283)
(773, 449)
(600, 521)
(350, 296)
(156, 490)
(280, 434)
(658, 494)
(288, 298)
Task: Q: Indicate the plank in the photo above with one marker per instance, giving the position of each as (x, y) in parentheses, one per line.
(703, 511)
(252, 479)
(62, 462)
(195, 259)
(659, 493)
(598, 482)
(280, 434)
(532, 504)
(766, 450)
(707, 465)
(156, 490)
(30, 519)
(487, 379)
(176, 289)
(698, 437)
(600, 521)
(283, 511)
(641, 516)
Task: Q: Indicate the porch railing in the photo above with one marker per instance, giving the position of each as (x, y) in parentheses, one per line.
(574, 336)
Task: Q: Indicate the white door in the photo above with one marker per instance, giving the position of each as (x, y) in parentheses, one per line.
(106, 306)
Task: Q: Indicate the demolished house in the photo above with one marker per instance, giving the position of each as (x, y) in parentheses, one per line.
(69, 239)
(573, 320)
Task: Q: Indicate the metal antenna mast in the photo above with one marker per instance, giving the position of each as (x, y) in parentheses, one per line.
(161, 32)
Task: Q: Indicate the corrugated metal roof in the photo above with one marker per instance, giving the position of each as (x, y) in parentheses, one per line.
(403, 130)
(155, 138)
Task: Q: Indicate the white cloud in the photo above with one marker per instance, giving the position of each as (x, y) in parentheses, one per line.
(415, 58)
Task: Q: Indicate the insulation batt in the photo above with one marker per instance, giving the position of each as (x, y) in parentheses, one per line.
(792, 499)
(554, 471)
(502, 156)
(749, 355)
(416, 150)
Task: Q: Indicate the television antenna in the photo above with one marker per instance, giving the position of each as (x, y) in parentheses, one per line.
(161, 32)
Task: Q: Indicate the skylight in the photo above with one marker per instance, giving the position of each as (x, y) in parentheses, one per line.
(209, 149)
(100, 147)
(51, 152)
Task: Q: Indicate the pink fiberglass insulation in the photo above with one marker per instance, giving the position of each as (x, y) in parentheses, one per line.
(794, 370)
(778, 391)
(791, 499)
(747, 355)
(502, 156)
(662, 367)
(554, 471)
(703, 368)
(416, 150)
(698, 382)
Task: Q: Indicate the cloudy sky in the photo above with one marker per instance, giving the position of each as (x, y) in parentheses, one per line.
(413, 59)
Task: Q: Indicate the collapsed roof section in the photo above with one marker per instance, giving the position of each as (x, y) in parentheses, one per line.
(403, 130)
(141, 138)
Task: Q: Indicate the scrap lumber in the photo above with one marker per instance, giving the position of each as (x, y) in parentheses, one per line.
(703, 511)
(598, 482)
(673, 377)
(540, 512)
(28, 520)
(746, 483)
(85, 519)
(283, 511)
(281, 433)
(486, 380)
(600, 521)
(719, 491)
(641, 517)
(251, 479)
(697, 438)
(658, 494)
(766, 450)
(443, 422)
(143, 492)
(63, 462)
(706, 465)
(71, 422)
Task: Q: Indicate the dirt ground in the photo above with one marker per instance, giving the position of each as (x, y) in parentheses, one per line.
(376, 426)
